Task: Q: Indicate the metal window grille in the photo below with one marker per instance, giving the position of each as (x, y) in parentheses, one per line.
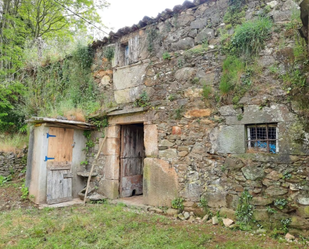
(262, 138)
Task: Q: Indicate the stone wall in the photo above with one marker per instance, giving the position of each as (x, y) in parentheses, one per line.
(12, 163)
(203, 138)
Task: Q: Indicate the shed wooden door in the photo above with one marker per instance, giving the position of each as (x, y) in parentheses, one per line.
(131, 160)
(59, 171)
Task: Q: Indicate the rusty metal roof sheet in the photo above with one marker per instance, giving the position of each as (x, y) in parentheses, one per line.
(167, 13)
(61, 123)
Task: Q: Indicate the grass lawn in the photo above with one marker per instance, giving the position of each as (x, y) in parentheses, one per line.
(116, 226)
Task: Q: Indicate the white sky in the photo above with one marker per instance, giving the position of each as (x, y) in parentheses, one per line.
(123, 13)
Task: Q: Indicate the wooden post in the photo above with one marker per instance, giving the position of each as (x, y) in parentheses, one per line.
(95, 160)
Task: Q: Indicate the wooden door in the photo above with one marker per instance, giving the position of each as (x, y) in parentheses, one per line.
(59, 171)
(131, 160)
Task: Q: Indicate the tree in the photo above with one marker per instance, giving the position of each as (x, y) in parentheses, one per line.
(35, 21)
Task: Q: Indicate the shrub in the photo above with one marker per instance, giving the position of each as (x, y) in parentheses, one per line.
(250, 36)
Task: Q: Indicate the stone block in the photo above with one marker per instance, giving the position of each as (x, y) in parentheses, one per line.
(109, 188)
(193, 92)
(160, 182)
(176, 130)
(253, 172)
(216, 196)
(105, 80)
(183, 44)
(198, 113)
(275, 191)
(168, 154)
(227, 110)
(303, 211)
(111, 167)
(111, 146)
(205, 35)
(233, 163)
(113, 131)
(199, 23)
(128, 95)
(151, 140)
(231, 139)
(184, 74)
(261, 201)
(299, 223)
(260, 214)
(128, 77)
(253, 114)
(229, 213)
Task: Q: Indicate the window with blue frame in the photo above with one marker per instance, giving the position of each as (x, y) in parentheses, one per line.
(262, 138)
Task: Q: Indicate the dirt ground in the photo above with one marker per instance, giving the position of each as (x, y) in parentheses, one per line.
(10, 196)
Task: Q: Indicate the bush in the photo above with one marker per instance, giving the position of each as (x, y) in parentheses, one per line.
(250, 36)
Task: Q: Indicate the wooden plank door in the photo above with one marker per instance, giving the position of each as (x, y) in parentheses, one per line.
(59, 171)
(131, 160)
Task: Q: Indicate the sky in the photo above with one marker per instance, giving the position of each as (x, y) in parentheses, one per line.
(122, 13)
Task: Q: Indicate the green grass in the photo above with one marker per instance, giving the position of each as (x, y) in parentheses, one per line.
(232, 71)
(110, 226)
(249, 37)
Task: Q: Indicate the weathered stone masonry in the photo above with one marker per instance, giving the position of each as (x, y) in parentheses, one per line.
(197, 147)
(11, 162)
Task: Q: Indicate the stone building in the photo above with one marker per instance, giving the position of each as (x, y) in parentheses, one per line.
(174, 133)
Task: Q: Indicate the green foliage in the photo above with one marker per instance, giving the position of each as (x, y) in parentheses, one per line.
(287, 175)
(249, 37)
(166, 56)
(234, 15)
(178, 204)
(109, 53)
(180, 63)
(240, 116)
(62, 86)
(10, 119)
(244, 211)
(5, 179)
(232, 71)
(195, 80)
(84, 162)
(280, 203)
(286, 222)
(89, 142)
(172, 97)
(270, 210)
(143, 100)
(26, 28)
(100, 123)
(295, 21)
(83, 55)
(206, 91)
(204, 205)
(178, 112)
(24, 191)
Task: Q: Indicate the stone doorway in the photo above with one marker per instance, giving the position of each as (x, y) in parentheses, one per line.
(132, 154)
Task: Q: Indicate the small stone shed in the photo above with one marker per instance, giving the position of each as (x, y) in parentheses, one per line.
(54, 159)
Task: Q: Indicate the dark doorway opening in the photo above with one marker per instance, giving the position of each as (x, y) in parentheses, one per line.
(132, 154)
